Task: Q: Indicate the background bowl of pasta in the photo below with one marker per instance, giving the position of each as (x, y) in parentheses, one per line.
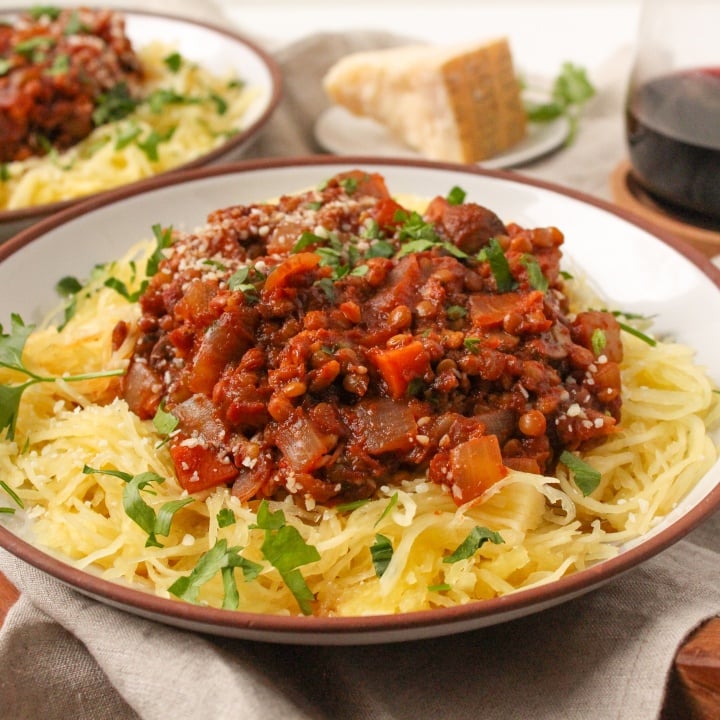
(202, 96)
(660, 474)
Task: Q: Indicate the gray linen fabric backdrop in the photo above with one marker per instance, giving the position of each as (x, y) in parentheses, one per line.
(604, 655)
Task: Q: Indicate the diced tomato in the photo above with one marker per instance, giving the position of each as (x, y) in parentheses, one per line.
(475, 466)
(487, 310)
(295, 264)
(199, 467)
(398, 366)
(365, 183)
(585, 326)
(385, 213)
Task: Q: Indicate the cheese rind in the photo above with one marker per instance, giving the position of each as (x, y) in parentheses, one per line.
(448, 103)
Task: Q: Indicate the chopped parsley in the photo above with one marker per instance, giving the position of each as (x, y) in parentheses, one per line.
(388, 509)
(587, 478)
(138, 510)
(49, 11)
(11, 349)
(382, 552)
(13, 496)
(163, 421)
(536, 278)
(456, 196)
(570, 91)
(150, 144)
(598, 340)
(493, 254)
(286, 550)
(225, 518)
(244, 280)
(173, 62)
(115, 104)
(476, 538)
(220, 558)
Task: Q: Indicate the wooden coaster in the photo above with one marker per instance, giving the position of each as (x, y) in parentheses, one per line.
(629, 195)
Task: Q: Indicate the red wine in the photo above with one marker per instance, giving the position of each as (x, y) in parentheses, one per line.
(673, 134)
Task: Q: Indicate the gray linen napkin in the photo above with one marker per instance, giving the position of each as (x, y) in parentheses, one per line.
(604, 655)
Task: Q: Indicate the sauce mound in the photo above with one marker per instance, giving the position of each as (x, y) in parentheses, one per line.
(57, 67)
(336, 341)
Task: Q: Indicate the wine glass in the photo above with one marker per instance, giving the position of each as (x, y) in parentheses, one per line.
(672, 118)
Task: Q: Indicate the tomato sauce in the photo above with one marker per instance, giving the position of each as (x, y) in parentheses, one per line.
(334, 341)
(55, 67)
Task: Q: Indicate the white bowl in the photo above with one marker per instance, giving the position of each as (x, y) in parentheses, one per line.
(216, 49)
(634, 268)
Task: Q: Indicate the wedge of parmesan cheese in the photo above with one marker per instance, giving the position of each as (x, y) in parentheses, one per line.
(447, 103)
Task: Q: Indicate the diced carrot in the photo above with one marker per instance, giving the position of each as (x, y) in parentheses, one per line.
(475, 466)
(398, 366)
(294, 265)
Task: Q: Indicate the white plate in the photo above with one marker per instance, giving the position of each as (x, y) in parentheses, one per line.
(340, 132)
(635, 269)
(217, 49)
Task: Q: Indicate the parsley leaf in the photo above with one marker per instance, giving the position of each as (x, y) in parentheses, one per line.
(126, 135)
(173, 62)
(598, 340)
(163, 239)
(493, 254)
(220, 558)
(49, 11)
(388, 509)
(570, 91)
(225, 518)
(477, 537)
(382, 552)
(11, 348)
(243, 280)
(60, 65)
(115, 104)
(138, 510)
(33, 47)
(286, 550)
(152, 141)
(74, 25)
(456, 196)
(164, 422)
(537, 280)
(587, 478)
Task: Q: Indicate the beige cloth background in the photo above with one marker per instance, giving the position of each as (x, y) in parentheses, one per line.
(605, 655)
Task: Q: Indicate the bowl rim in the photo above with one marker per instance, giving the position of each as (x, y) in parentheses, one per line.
(372, 628)
(272, 66)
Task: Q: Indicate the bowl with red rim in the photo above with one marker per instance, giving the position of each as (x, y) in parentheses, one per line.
(219, 50)
(630, 265)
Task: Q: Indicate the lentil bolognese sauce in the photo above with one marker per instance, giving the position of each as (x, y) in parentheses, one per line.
(57, 67)
(336, 341)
